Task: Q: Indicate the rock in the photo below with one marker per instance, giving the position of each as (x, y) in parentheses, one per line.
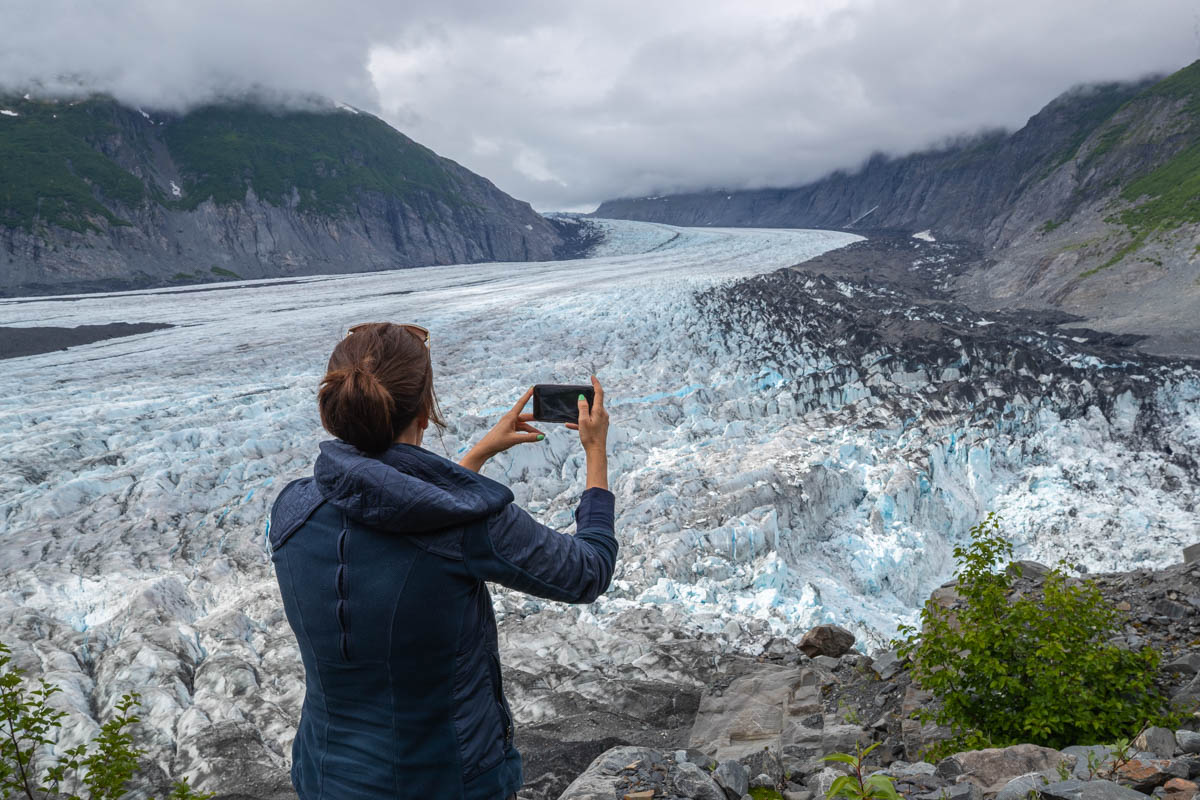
(1022, 786)
(1191, 554)
(763, 781)
(801, 795)
(819, 782)
(992, 769)
(827, 662)
(1188, 741)
(754, 711)
(961, 791)
(599, 781)
(1180, 789)
(733, 778)
(646, 794)
(903, 770)
(1088, 790)
(1188, 694)
(887, 665)
(693, 782)
(827, 640)
(1147, 774)
(1090, 761)
(1184, 665)
(1159, 741)
(1030, 570)
(764, 762)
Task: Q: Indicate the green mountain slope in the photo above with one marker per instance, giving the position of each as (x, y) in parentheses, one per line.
(96, 195)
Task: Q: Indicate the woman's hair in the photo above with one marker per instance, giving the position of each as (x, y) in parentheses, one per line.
(379, 379)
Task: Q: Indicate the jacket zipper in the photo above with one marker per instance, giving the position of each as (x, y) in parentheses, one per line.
(505, 717)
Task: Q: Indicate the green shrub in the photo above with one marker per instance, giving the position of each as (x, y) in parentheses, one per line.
(96, 771)
(856, 787)
(1038, 668)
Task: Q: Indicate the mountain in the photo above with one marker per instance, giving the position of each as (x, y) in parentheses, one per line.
(1092, 207)
(94, 194)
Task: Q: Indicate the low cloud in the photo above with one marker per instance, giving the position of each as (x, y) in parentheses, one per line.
(567, 104)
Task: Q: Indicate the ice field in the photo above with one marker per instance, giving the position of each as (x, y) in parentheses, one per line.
(139, 470)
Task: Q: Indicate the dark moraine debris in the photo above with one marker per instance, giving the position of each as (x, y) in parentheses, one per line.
(17, 342)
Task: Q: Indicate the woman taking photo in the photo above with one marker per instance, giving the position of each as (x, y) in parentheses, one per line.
(383, 558)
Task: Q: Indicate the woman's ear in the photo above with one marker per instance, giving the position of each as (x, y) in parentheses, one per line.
(424, 421)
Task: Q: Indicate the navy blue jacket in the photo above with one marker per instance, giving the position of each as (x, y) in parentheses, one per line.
(382, 564)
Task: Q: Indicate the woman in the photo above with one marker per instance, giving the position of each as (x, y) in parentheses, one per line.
(382, 558)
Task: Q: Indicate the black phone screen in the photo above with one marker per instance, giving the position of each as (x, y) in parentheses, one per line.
(554, 402)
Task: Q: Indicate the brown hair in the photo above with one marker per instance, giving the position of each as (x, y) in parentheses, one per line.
(379, 379)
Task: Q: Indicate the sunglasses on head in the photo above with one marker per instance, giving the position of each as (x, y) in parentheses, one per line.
(419, 331)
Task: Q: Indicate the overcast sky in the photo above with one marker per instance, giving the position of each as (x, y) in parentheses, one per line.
(567, 103)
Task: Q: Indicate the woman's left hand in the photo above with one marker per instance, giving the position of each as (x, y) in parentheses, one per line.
(512, 429)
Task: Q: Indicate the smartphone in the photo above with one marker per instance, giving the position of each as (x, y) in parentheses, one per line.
(554, 402)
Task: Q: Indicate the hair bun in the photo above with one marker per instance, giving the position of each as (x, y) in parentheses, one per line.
(362, 406)
(378, 381)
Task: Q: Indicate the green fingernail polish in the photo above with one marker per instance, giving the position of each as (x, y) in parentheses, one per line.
(583, 397)
(541, 436)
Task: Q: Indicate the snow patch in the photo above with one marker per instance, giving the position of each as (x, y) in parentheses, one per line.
(346, 107)
(925, 236)
(175, 190)
(8, 113)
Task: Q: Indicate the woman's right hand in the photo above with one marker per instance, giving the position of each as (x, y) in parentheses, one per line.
(593, 422)
(593, 435)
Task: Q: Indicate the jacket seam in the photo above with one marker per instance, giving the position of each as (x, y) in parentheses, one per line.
(321, 684)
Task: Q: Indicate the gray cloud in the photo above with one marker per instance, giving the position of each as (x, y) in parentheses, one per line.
(566, 104)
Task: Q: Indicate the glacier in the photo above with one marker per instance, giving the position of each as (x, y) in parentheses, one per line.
(777, 462)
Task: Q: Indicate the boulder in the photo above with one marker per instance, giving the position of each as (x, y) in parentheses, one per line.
(1188, 694)
(1147, 774)
(764, 762)
(887, 665)
(1091, 761)
(763, 781)
(1191, 554)
(754, 710)
(733, 778)
(993, 768)
(959, 791)
(1023, 786)
(800, 795)
(691, 781)
(827, 640)
(1188, 741)
(1186, 665)
(819, 782)
(1159, 741)
(599, 780)
(1088, 790)
(1180, 789)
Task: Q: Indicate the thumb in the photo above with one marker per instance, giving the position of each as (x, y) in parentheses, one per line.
(584, 410)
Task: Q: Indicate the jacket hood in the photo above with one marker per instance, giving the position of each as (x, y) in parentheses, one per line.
(406, 487)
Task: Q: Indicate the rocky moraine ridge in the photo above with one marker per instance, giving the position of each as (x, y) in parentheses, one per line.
(759, 726)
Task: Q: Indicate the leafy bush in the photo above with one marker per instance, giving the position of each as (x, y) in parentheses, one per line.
(96, 771)
(1036, 668)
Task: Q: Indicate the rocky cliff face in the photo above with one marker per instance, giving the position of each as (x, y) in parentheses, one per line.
(1090, 207)
(97, 195)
